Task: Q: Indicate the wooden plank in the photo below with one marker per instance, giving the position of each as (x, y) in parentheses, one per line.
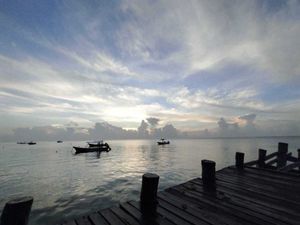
(260, 186)
(110, 217)
(264, 175)
(242, 205)
(125, 217)
(228, 203)
(274, 173)
(83, 221)
(97, 219)
(169, 215)
(267, 202)
(262, 179)
(268, 210)
(139, 216)
(211, 206)
(70, 222)
(198, 211)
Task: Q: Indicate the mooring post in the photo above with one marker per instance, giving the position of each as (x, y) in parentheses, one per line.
(262, 158)
(149, 194)
(149, 188)
(298, 156)
(208, 174)
(239, 160)
(282, 154)
(16, 211)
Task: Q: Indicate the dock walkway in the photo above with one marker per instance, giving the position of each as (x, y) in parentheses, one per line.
(249, 196)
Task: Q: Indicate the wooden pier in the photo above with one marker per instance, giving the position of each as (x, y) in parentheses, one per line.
(267, 194)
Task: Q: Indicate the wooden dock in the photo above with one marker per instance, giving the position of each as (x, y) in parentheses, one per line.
(267, 194)
(249, 196)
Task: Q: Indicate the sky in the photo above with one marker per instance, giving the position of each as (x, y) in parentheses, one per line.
(197, 65)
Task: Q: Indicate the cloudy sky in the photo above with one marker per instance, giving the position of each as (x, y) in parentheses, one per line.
(188, 63)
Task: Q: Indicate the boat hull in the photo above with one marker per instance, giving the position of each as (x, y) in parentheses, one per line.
(163, 143)
(91, 149)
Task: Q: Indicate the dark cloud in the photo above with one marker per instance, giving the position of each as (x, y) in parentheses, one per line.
(153, 121)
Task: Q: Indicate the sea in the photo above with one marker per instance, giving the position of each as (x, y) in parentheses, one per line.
(65, 185)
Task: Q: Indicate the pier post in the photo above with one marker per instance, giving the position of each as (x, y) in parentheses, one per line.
(239, 160)
(149, 194)
(149, 188)
(262, 158)
(208, 174)
(282, 154)
(298, 156)
(16, 211)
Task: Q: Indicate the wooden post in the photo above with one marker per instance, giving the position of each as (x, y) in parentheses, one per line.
(239, 160)
(16, 211)
(298, 157)
(262, 158)
(208, 173)
(149, 188)
(282, 154)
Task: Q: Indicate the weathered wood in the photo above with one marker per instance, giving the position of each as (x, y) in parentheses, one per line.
(209, 174)
(126, 218)
(97, 219)
(149, 189)
(267, 157)
(282, 152)
(290, 167)
(251, 163)
(239, 160)
(110, 217)
(298, 157)
(16, 211)
(262, 158)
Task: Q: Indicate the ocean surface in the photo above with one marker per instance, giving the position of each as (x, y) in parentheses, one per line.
(65, 185)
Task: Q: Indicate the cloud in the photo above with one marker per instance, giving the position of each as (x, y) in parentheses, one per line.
(249, 119)
(153, 121)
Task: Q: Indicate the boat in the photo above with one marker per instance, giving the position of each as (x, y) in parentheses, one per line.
(21, 143)
(163, 142)
(59, 141)
(93, 147)
(31, 143)
(95, 143)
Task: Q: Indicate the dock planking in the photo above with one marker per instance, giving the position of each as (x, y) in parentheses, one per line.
(249, 196)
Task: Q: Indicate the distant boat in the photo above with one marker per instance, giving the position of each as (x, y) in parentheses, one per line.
(31, 143)
(163, 142)
(93, 147)
(59, 141)
(95, 144)
(21, 143)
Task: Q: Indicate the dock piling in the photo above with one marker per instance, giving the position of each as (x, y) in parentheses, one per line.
(208, 174)
(298, 157)
(16, 211)
(149, 188)
(239, 160)
(282, 154)
(261, 158)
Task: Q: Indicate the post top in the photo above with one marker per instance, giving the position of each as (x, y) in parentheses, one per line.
(150, 175)
(206, 161)
(20, 200)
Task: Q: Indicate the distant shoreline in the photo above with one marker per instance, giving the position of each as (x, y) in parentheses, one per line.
(181, 138)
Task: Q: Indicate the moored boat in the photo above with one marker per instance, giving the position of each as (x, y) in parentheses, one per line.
(93, 148)
(163, 142)
(59, 141)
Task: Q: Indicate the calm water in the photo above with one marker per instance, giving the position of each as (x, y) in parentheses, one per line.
(64, 184)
